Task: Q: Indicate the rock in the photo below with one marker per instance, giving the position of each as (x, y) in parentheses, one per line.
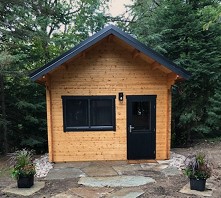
(115, 181)
(177, 161)
(42, 166)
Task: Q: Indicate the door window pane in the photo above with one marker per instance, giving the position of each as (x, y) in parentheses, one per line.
(141, 115)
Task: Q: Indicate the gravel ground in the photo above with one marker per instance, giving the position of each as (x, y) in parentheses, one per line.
(42, 166)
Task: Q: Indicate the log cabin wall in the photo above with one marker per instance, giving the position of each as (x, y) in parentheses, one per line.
(107, 68)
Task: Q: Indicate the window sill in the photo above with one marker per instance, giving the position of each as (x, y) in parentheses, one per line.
(86, 129)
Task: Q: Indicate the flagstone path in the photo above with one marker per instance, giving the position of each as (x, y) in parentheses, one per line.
(107, 179)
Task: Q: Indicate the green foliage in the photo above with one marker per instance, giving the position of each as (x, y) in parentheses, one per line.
(197, 167)
(214, 139)
(26, 114)
(214, 114)
(215, 15)
(22, 161)
(35, 32)
(175, 29)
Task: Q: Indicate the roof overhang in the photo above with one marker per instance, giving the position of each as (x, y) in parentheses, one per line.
(110, 30)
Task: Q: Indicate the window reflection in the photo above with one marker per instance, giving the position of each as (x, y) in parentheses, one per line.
(141, 115)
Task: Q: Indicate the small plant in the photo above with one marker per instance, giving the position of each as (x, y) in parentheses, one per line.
(197, 167)
(22, 162)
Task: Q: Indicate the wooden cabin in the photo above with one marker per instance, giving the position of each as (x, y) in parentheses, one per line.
(109, 98)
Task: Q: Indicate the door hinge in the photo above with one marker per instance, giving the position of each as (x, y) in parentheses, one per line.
(154, 152)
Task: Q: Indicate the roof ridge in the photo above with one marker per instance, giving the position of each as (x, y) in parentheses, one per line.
(110, 29)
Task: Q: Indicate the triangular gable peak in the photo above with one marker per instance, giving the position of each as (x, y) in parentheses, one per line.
(110, 33)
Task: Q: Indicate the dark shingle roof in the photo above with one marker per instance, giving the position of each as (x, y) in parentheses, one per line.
(99, 36)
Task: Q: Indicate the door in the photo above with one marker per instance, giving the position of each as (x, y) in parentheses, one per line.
(141, 127)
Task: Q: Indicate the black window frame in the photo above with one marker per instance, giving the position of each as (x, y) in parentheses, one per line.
(89, 127)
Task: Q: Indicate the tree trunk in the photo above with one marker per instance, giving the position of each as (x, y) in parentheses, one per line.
(4, 120)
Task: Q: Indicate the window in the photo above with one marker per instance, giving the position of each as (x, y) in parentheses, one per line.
(141, 115)
(89, 113)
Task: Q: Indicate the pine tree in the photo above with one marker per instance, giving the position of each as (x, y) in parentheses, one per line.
(35, 32)
(175, 29)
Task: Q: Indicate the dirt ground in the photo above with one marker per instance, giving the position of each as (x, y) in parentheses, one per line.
(165, 187)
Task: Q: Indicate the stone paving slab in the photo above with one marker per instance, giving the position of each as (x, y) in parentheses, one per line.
(98, 170)
(72, 165)
(207, 193)
(115, 181)
(4, 184)
(127, 193)
(126, 168)
(64, 195)
(13, 189)
(85, 192)
(110, 162)
(160, 167)
(148, 166)
(164, 161)
(154, 167)
(171, 171)
(64, 173)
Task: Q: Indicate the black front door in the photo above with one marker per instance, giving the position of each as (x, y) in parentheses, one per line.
(141, 127)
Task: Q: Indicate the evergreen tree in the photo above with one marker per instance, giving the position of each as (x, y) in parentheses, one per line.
(35, 32)
(5, 61)
(175, 29)
(214, 113)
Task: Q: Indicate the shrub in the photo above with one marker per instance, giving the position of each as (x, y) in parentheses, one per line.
(197, 166)
(22, 162)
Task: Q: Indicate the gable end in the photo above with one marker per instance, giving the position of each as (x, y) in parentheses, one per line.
(98, 37)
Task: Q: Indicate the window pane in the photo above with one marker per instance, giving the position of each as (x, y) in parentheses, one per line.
(141, 115)
(101, 112)
(76, 112)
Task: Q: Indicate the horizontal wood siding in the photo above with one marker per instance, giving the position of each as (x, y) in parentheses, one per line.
(106, 69)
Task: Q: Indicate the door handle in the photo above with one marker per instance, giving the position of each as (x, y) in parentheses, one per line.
(130, 128)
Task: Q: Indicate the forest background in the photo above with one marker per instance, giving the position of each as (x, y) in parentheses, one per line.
(33, 32)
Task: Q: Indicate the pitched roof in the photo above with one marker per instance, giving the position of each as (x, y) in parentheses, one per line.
(99, 36)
